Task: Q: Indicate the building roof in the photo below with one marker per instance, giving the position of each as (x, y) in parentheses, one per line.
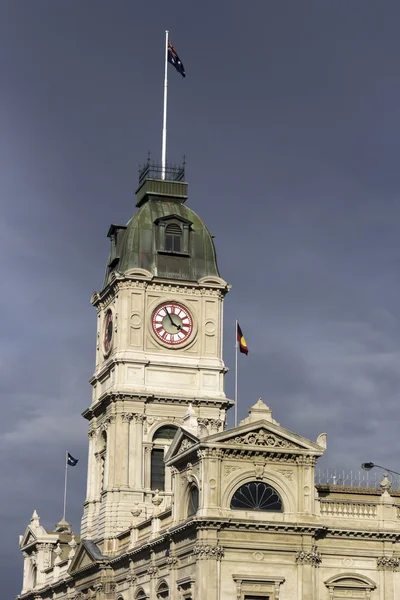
(136, 245)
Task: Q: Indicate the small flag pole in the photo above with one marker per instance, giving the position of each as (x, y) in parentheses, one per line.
(164, 131)
(65, 483)
(236, 373)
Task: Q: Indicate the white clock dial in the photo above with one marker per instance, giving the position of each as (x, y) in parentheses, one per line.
(172, 323)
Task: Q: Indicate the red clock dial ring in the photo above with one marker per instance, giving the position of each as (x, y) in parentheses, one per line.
(172, 323)
(108, 332)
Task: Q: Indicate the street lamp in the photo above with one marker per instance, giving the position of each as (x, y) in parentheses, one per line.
(367, 466)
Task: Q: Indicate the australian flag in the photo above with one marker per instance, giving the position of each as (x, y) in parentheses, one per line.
(71, 460)
(174, 59)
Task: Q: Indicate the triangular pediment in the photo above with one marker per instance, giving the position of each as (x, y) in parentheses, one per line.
(266, 435)
(87, 554)
(172, 218)
(28, 538)
(182, 441)
(37, 535)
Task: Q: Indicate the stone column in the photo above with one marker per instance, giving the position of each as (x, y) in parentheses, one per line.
(123, 449)
(308, 561)
(136, 468)
(207, 570)
(92, 467)
(109, 475)
(387, 565)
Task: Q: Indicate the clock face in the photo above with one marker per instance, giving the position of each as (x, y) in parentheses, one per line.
(172, 323)
(108, 332)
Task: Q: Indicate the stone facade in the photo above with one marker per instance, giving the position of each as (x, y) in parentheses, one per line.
(236, 514)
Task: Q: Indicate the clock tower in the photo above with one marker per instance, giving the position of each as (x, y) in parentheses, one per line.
(159, 359)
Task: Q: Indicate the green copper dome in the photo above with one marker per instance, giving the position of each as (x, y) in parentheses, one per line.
(164, 237)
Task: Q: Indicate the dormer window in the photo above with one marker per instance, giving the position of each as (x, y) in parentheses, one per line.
(172, 235)
(173, 238)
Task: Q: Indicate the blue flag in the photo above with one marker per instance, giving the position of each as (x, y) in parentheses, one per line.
(71, 460)
(174, 59)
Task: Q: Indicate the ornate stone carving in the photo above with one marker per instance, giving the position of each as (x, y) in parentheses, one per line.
(203, 551)
(263, 438)
(288, 473)
(214, 425)
(310, 557)
(185, 445)
(259, 470)
(387, 563)
(306, 461)
(172, 561)
(152, 571)
(189, 473)
(228, 469)
(210, 453)
(127, 417)
(130, 579)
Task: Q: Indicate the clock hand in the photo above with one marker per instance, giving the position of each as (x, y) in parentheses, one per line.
(172, 321)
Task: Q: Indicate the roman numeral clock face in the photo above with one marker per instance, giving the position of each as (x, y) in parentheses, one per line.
(172, 323)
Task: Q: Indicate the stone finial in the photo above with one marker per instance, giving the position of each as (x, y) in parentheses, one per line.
(72, 544)
(322, 440)
(35, 519)
(63, 526)
(135, 512)
(259, 411)
(57, 552)
(190, 420)
(385, 484)
(157, 499)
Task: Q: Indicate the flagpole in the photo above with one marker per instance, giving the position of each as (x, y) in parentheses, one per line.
(65, 483)
(236, 373)
(164, 131)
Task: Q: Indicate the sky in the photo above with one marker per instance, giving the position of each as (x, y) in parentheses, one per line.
(289, 119)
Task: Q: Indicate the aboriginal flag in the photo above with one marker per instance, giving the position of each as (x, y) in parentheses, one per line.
(242, 342)
(71, 460)
(174, 59)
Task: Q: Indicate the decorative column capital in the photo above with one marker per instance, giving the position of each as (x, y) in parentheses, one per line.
(127, 417)
(387, 563)
(309, 557)
(202, 551)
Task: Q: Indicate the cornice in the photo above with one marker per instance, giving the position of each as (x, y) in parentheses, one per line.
(109, 397)
(208, 286)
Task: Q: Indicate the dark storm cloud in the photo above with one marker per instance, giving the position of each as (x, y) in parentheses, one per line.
(289, 118)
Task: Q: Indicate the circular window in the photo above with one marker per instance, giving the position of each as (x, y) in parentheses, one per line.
(257, 495)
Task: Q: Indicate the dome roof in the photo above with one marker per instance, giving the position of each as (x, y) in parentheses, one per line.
(142, 242)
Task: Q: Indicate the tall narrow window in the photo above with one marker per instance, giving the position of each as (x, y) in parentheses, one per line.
(157, 469)
(161, 442)
(173, 238)
(193, 501)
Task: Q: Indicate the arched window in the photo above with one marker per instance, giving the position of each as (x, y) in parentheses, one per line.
(140, 594)
(257, 495)
(173, 238)
(34, 576)
(162, 591)
(161, 441)
(193, 504)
